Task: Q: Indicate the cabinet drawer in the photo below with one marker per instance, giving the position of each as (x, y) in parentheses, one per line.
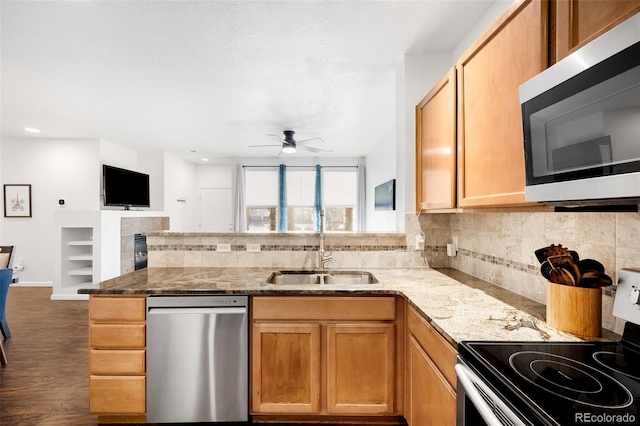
(116, 395)
(324, 308)
(438, 349)
(110, 362)
(118, 309)
(117, 336)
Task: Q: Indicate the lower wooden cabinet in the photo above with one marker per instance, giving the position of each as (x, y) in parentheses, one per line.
(117, 394)
(360, 368)
(117, 373)
(432, 399)
(430, 377)
(323, 356)
(286, 368)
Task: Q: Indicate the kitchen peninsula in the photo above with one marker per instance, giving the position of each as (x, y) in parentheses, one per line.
(412, 318)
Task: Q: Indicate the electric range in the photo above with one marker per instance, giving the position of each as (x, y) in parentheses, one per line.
(555, 383)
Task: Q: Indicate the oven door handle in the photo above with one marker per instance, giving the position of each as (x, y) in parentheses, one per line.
(468, 380)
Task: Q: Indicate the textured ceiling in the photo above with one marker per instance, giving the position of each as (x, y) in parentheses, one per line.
(216, 76)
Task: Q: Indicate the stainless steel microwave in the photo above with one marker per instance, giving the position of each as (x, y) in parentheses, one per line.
(581, 123)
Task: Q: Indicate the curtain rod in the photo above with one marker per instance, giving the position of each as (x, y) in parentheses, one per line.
(302, 167)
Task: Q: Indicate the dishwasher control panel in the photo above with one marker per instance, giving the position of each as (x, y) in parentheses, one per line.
(197, 301)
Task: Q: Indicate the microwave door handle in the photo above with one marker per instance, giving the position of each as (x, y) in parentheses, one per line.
(464, 377)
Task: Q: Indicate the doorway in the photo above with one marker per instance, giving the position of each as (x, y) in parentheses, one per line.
(216, 214)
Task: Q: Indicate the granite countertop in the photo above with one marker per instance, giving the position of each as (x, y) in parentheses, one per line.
(458, 305)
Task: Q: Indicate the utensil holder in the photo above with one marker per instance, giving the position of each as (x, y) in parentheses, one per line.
(576, 310)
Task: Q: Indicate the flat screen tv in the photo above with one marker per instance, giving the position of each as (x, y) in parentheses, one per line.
(385, 196)
(125, 188)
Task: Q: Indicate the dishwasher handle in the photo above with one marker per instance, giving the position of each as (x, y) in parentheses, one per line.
(189, 310)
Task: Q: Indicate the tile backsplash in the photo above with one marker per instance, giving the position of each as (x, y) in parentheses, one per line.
(499, 247)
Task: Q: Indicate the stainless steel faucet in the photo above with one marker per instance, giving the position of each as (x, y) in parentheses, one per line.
(323, 256)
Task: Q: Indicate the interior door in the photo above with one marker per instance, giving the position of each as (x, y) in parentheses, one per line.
(216, 213)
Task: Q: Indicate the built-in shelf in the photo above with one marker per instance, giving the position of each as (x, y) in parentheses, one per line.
(77, 255)
(81, 243)
(82, 271)
(86, 256)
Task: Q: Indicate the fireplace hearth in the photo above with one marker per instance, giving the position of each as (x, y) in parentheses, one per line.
(140, 251)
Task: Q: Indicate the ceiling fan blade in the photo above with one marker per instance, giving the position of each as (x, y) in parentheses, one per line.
(307, 141)
(277, 137)
(309, 148)
(261, 146)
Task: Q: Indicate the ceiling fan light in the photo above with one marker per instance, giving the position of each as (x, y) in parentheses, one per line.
(289, 149)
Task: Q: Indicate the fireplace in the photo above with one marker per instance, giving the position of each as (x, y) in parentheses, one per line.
(140, 251)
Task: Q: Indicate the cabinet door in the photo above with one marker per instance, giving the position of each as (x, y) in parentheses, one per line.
(577, 22)
(360, 368)
(285, 366)
(436, 146)
(490, 138)
(432, 401)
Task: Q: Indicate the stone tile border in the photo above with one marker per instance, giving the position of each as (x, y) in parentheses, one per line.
(267, 247)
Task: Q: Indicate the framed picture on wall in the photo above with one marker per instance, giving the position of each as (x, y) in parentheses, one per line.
(17, 200)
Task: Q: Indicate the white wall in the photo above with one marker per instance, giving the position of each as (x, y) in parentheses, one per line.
(481, 26)
(380, 168)
(214, 175)
(118, 156)
(55, 169)
(152, 163)
(180, 183)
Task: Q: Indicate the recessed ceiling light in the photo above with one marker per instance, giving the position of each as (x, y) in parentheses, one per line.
(204, 159)
(32, 130)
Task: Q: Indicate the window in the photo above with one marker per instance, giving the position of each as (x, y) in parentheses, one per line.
(339, 198)
(301, 186)
(261, 199)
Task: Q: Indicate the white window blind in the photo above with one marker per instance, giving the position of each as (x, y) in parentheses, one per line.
(261, 187)
(340, 187)
(300, 188)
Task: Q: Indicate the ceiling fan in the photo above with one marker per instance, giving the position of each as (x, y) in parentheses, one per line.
(290, 145)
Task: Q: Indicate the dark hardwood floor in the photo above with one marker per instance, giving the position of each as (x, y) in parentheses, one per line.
(46, 382)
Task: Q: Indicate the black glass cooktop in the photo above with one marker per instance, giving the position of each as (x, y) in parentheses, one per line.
(557, 383)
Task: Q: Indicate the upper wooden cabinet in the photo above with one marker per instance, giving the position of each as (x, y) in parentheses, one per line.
(577, 22)
(486, 129)
(436, 146)
(490, 146)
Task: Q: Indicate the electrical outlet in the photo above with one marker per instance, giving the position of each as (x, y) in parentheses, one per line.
(419, 243)
(223, 248)
(455, 243)
(253, 248)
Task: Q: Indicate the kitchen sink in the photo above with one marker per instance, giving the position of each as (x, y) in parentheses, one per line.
(321, 277)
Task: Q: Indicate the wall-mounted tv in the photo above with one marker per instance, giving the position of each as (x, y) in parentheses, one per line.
(125, 188)
(385, 196)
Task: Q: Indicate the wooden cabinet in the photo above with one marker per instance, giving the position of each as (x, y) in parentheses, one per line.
(323, 355)
(436, 146)
(490, 146)
(286, 368)
(117, 358)
(524, 41)
(577, 22)
(430, 375)
(360, 368)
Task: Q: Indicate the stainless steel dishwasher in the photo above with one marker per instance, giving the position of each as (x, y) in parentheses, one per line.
(197, 359)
